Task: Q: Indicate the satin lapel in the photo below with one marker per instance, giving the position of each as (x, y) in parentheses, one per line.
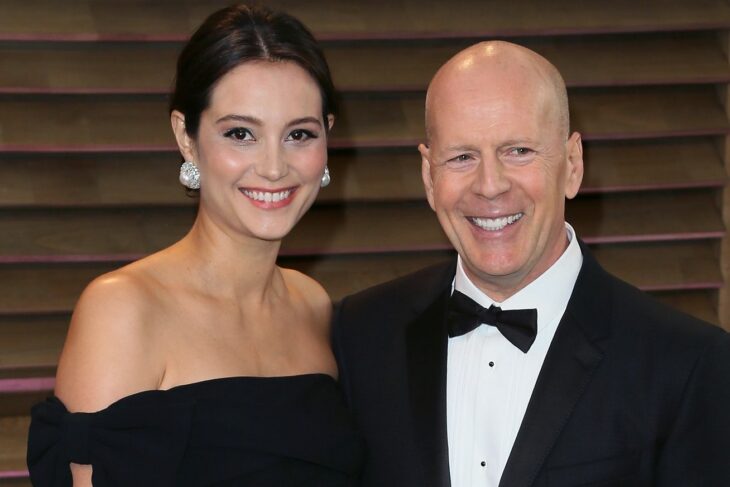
(569, 365)
(427, 348)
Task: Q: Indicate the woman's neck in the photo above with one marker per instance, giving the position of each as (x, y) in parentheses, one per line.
(230, 266)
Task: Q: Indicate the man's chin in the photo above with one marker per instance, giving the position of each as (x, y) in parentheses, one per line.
(492, 267)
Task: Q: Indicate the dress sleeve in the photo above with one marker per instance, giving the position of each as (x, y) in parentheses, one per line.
(139, 440)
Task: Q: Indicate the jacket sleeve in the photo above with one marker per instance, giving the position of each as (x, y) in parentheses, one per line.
(697, 450)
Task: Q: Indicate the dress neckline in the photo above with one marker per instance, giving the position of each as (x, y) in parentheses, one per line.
(173, 391)
(237, 378)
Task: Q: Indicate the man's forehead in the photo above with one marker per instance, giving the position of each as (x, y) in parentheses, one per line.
(491, 121)
(489, 102)
(465, 79)
(502, 69)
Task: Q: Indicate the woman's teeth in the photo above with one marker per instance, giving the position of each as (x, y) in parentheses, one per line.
(495, 224)
(265, 196)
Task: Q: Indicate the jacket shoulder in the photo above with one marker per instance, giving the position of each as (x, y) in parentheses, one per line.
(661, 320)
(633, 312)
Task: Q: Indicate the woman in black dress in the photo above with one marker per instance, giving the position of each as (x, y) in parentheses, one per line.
(206, 363)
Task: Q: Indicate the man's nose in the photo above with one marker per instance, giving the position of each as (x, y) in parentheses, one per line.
(491, 179)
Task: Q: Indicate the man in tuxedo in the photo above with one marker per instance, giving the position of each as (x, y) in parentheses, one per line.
(522, 362)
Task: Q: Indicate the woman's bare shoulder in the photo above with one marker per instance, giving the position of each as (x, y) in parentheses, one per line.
(111, 348)
(311, 293)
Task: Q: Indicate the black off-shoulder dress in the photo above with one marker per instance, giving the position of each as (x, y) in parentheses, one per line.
(238, 431)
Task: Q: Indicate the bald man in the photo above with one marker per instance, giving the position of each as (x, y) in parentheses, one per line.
(522, 362)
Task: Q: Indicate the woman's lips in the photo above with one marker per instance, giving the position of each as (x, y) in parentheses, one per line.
(269, 199)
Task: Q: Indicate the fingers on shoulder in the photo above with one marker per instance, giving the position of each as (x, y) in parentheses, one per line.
(109, 351)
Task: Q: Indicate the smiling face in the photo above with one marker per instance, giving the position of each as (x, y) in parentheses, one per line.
(261, 149)
(498, 167)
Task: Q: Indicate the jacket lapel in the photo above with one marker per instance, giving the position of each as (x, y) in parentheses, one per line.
(569, 365)
(427, 342)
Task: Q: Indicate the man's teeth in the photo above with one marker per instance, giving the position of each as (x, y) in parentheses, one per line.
(266, 196)
(494, 224)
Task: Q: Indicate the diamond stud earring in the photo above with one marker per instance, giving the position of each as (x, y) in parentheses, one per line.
(189, 175)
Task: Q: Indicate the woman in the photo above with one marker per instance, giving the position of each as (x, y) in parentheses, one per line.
(205, 363)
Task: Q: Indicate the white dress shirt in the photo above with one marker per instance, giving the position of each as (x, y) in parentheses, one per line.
(489, 381)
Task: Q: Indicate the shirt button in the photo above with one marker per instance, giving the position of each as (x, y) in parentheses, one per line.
(491, 364)
(483, 464)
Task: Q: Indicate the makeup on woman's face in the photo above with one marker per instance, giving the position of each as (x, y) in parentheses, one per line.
(262, 148)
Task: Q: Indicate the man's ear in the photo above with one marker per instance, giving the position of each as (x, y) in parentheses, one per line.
(426, 172)
(185, 143)
(574, 172)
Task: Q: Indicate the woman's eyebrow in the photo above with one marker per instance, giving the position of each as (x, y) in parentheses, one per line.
(241, 118)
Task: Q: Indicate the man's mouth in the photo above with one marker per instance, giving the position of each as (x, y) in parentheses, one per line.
(495, 224)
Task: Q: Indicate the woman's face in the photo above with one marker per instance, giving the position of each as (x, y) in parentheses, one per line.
(261, 149)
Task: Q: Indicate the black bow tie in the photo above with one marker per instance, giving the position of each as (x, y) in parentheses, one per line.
(519, 326)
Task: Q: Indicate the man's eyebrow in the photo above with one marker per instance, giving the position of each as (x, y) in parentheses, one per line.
(240, 118)
(520, 141)
(461, 148)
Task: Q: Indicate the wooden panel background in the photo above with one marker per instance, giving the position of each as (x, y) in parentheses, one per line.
(88, 170)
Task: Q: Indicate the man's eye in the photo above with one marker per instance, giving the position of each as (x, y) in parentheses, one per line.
(461, 158)
(301, 135)
(239, 133)
(521, 151)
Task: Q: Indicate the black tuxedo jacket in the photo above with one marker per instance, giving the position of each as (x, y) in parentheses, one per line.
(631, 393)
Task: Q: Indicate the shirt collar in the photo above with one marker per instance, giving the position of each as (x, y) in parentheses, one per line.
(549, 293)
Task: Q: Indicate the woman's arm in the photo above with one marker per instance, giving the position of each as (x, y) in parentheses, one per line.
(109, 351)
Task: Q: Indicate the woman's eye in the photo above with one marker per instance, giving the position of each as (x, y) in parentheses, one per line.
(301, 135)
(239, 133)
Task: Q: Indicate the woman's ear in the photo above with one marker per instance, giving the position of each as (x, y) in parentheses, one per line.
(330, 121)
(185, 143)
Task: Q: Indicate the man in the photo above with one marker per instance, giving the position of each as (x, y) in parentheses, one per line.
(611, 389)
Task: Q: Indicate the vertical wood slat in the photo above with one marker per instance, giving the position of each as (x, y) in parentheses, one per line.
(724, 293)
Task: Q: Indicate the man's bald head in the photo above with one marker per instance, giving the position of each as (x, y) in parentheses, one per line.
(500, 64)
(499, 164)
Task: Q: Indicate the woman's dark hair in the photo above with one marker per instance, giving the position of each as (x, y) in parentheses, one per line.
(233, 36)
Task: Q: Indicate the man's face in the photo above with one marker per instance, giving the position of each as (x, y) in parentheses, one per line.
(497, 171)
